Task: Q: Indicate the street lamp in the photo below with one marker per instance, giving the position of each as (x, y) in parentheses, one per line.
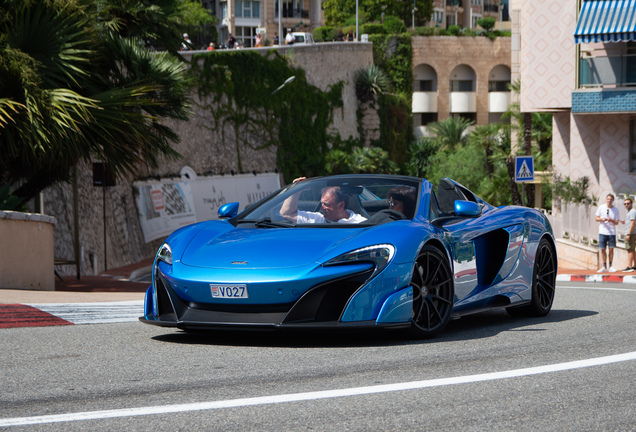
(280, 22)
(456, 4)
(357, 30)
(414, 9)
(287, 81)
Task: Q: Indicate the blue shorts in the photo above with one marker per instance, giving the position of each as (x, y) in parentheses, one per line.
(604, 240)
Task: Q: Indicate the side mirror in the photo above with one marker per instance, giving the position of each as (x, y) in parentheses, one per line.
(467, 208)
(228, 210)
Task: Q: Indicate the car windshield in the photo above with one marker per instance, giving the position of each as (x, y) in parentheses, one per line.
(337, 201)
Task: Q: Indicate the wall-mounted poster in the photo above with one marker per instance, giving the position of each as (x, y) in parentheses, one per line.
(166, 205)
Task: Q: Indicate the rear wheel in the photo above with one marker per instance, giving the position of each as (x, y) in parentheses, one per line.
(433, 293)
(543, 283)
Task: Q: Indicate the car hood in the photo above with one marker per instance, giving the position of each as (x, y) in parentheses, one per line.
(264, 247)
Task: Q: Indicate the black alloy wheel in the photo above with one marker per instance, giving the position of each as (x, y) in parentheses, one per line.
(543, 283)
(433, 293)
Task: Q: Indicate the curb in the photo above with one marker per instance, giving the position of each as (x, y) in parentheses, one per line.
(596, 278)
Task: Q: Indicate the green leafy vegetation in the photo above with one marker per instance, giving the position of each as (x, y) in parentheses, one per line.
(248, 103)
(78, 85)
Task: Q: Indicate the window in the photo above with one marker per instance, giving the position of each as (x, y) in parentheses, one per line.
(632, 146)
(245, 35)
(291, 9)
(223, 10)
(247, 9)
(498, 86)
(426, 86)
(426, 118)
(438, 17)
(461, 86)
(468, 116)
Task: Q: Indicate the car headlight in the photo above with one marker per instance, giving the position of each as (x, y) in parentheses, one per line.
(165, 254)
(380, 255)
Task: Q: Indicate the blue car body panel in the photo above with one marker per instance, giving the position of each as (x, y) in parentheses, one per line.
(342, 275)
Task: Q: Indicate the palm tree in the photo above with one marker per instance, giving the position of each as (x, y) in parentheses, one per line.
(371, 83)
(73, 92)
(487, 136)
(451, 132)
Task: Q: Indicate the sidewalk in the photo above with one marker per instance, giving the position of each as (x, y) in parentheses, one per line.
(130, 283)
(121, 284)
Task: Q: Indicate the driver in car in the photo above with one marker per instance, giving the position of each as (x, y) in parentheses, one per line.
(333, 205)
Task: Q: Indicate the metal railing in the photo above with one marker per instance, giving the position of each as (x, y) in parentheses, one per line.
(598, 71)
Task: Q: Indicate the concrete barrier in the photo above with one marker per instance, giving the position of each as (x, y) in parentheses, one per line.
(26, 251)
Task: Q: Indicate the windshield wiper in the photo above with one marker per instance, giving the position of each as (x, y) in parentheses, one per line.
(266, 223)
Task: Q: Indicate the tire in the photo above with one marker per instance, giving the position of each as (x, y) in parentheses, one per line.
(433, 293)
(543, 283)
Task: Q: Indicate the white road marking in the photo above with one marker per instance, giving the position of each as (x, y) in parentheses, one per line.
(598, 289)
(310, 396)
(94, 313)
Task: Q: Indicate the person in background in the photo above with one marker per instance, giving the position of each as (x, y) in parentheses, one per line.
(289, 39)
(211, 46)
(186, 45)
(340, 36)
(275, 38)
(259, 41)
(608, 216)
(350, 36)
(231, 42)
(630, 235)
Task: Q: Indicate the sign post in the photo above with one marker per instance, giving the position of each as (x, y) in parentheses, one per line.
(524, 172)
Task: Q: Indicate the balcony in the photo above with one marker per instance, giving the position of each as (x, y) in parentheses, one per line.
(498, 102)
(607, 84)
(463, 102)
(607, 71)
(425, 102)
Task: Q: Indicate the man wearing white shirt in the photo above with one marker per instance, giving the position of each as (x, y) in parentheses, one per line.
(333, 205)
(608, 217)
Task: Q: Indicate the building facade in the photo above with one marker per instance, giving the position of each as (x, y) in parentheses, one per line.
(466, 13)
(577, 60)
(244, 18)
(460, 77)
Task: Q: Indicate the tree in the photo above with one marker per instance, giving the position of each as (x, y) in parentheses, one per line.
(487, 23)
(487, 136)
(450, 133)
(78, 85)
(338, 11)
(371, 82)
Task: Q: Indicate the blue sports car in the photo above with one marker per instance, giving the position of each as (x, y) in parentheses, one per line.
(354, 251)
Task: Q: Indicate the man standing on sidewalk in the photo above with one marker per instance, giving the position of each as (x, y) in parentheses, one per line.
(630, 235)
(608, 217)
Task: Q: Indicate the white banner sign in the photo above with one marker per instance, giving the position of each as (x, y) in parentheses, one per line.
(167, 205)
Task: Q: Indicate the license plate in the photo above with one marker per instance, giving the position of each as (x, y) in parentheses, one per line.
(229, 291)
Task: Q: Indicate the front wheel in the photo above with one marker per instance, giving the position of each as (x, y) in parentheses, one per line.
(433, 293)
(543, 283)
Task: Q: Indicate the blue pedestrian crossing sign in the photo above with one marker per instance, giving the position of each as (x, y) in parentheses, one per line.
(524, 169)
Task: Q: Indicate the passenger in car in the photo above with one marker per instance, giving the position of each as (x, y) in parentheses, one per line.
(333, 205)
(402, 199)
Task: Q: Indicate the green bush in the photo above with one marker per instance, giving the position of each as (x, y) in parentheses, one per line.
(372, 28)
(394, 25)
(424, 31)
(454, 30)
(325, 33)
(486, 23)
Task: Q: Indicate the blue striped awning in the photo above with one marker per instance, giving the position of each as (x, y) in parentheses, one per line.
(606, 21)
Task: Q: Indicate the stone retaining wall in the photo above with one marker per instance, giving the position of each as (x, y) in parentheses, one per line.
(207, 151)
(26, 251)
